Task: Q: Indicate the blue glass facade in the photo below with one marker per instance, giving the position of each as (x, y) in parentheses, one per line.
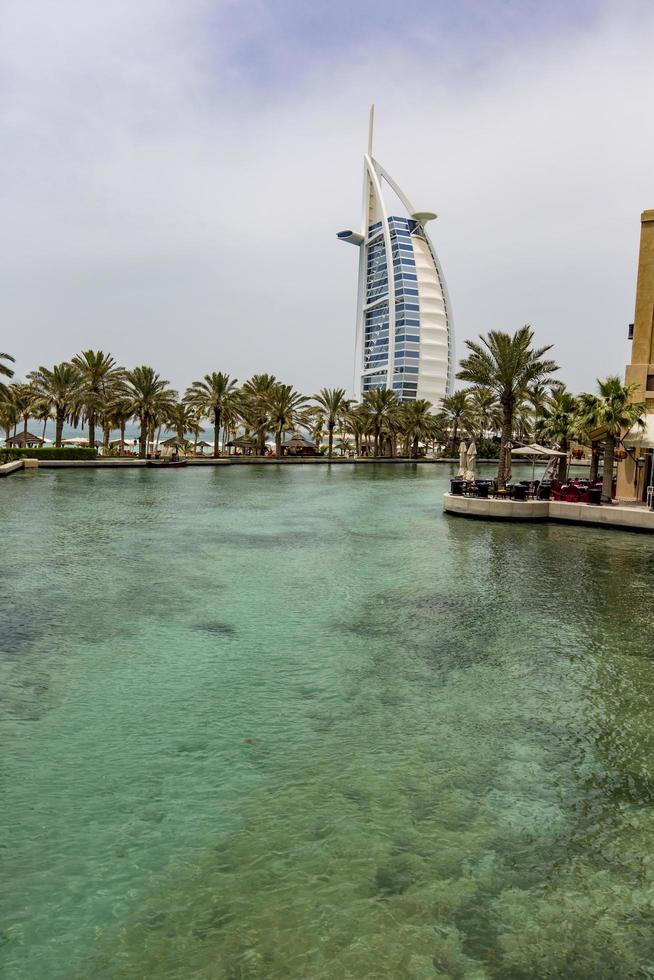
(406, 339)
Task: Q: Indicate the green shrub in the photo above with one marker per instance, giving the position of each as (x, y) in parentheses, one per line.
(79, 452)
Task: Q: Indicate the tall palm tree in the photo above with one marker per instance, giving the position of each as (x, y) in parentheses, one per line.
(283, 404)
(60, 387)
(314, 422)
(181, 418)
(150, 401)
(118, 411)
(483, 414)
(25, 401)
(616, 413)
(98, 371)
(418, 423)
(457, 409)
(587, 406)
(358, 424)
(538, 397)
(253, 407)
(8, 415)
(379, 406)
(5, 372)
(508, 364)
(211, 397)
(332, 405)
(559, 424)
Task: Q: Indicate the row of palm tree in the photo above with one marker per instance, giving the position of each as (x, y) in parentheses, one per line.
(94, 391)
(512, 396)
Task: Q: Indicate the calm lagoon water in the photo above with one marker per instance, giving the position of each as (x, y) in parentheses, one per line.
(282, 723)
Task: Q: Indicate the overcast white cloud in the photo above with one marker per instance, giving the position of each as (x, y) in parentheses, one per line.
(173, 176)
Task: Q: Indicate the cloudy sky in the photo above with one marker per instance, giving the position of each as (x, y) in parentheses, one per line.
(174, 171)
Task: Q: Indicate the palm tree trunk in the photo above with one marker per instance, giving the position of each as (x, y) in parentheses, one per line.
(106, 433)
(45, 422)
(415, 447)
(92, 430)
(505, 448)
(143, 438)
(122, 437)
(59, 428)
(594, 462)
(25, 421)
(563, 461)
(216, 432)
(330, 430)
(278, 442)
(607, 478)
(455, 432)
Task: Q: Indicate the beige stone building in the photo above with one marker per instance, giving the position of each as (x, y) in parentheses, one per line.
(635, 471)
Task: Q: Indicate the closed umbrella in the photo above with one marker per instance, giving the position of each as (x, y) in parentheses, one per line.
(471, 460)
(463, 459)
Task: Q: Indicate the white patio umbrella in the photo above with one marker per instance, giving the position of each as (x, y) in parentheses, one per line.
(463, 459)
(534, 451)
(76, 441)
(471, 460)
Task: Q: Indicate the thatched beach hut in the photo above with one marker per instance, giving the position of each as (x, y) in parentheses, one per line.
(246, 443)
(299, 445)
(25, 440)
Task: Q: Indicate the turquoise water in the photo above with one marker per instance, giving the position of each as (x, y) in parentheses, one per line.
(295, 723)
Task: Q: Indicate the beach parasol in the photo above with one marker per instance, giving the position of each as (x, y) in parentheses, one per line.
(534, 451)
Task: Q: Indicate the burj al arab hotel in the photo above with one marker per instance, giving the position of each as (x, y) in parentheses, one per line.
(404, 336)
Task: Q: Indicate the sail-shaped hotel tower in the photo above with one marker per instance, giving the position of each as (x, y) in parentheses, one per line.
(404, 338)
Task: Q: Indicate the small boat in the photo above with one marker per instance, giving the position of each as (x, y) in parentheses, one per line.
(166, 463)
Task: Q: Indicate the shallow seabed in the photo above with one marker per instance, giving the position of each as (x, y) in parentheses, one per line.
(282, 723)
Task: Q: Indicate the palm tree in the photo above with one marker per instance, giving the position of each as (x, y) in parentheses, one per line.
(211, 397)
(253, 407)
(149, 399)
(283, 405)
(538, 396)
(418, 423)
(483, 414)
(98, 372)
(458, 412)
(8, 415)
(24, 399)
(586, 422)
(559, 424)
(508, 364)
(5, 372)
(332, 405)
(358, 424)
(379, 406)
(118, 412)
(181, 418)
(59, 386)
(616, 413)
(314, 422)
